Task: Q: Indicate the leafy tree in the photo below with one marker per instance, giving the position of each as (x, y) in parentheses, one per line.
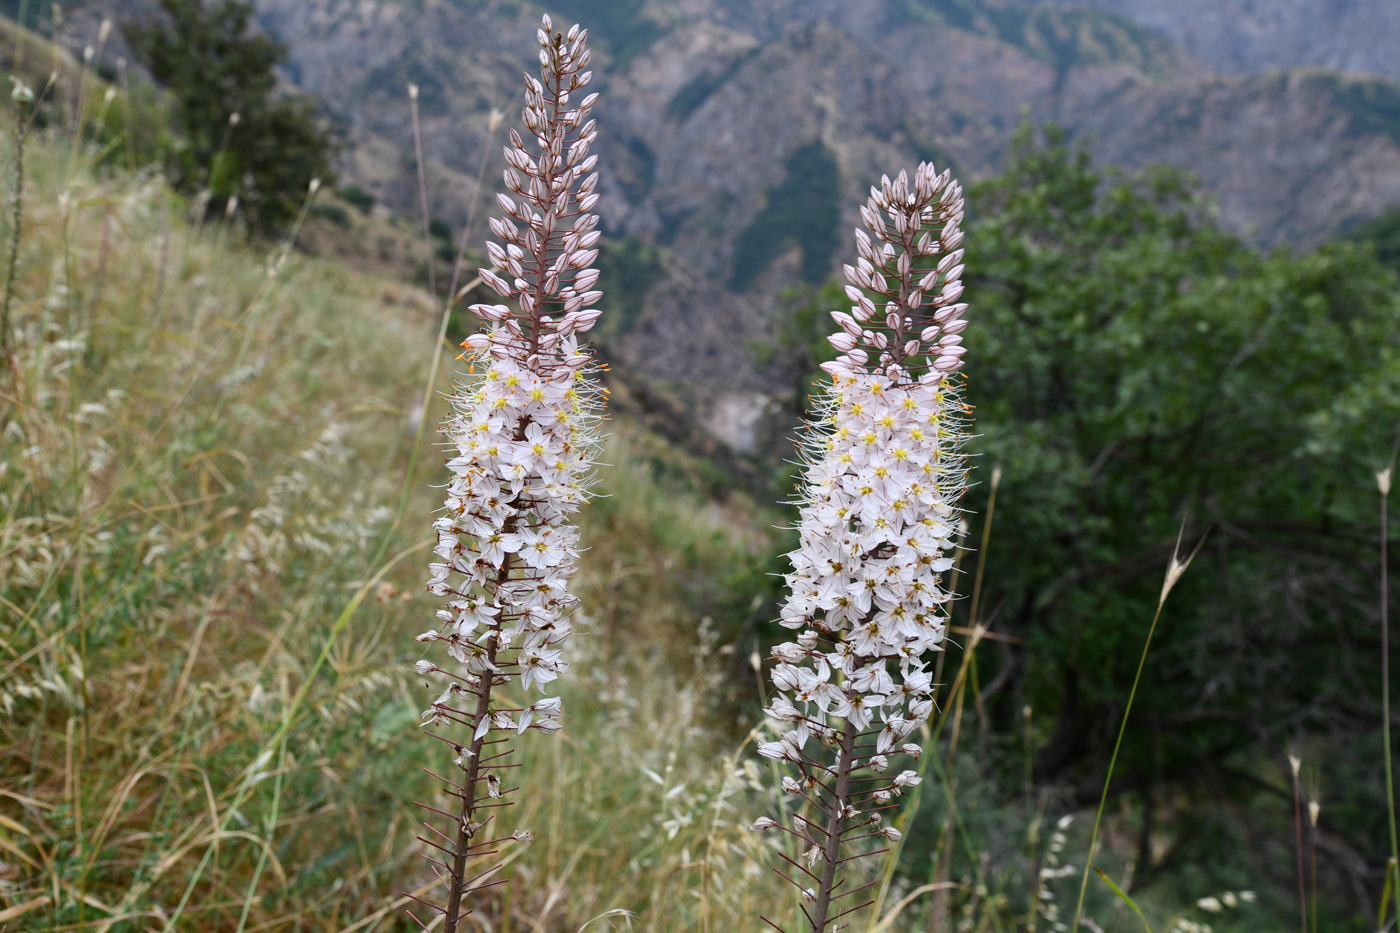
(240, 136)
(1383, 232)
(1133, 367)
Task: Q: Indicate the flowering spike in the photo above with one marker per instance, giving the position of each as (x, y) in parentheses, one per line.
(523, 431)
(883, 476)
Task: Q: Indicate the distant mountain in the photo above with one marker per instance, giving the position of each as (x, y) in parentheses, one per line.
(741, 135)
(1247, 36)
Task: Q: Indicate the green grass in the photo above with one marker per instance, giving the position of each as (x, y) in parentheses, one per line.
(201, 456)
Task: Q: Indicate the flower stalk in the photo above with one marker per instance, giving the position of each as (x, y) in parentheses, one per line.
(23, 99)
(523, 428)
(868, 596)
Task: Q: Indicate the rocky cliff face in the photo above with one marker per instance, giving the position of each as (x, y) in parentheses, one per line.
(1245, 36)
(740, 136)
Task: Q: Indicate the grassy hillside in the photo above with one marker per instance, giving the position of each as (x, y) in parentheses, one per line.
(211, 555)
(218, 471)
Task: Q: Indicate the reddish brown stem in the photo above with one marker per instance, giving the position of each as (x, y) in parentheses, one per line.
(469, 798)
(831, 852)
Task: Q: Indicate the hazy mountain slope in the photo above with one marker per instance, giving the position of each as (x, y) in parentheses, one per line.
(732, 129)
(1245, 36)
(740, 136)
(1292, 156)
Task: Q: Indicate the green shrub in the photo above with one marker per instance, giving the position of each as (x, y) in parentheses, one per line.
(358, 197)
(334, 213)
(239, 136)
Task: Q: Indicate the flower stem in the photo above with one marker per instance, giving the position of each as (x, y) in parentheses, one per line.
(423, 194)
(1298, 831)
(835, 816)
(465, 824)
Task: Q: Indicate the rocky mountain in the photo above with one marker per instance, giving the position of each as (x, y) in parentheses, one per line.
(740, 136)
(1246, 36)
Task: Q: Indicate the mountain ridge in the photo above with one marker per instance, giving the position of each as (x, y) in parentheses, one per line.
(1249, 36)
(709, 106)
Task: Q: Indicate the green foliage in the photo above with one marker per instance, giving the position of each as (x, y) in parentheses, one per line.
(1383, 233)
(1374, 105)
(358, 198)
(1062, 38)
(1133, 366)
(802, 210)
(214, 67)
(334, 213)
(627, 269)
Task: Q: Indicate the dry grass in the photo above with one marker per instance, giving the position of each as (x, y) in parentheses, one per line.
(201, 459)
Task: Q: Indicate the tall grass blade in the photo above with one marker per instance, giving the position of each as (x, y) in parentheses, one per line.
(1383, 485)
(1386, 891)
(1175, 569)
(1123, 896)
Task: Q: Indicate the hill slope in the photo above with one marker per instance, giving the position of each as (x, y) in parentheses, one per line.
(208, 602)
(1245, 36)
(732, 124)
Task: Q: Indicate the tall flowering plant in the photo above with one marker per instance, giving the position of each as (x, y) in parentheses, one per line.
(868, 594)
(523, 431)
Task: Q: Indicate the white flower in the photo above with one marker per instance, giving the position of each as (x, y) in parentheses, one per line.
(778, 751)
(763, 823)
(539, 666)
(522, 431)
(870, 583)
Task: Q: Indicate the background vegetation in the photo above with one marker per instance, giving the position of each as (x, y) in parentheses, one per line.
(215, 518)
(1140, 371)
(238, 136)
